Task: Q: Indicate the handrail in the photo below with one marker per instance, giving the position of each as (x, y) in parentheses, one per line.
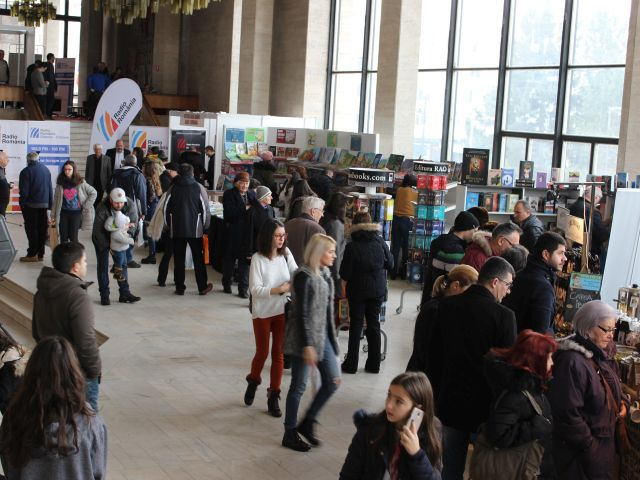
(32, 107)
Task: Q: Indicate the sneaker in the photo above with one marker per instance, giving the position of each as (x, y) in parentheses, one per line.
(305, 428)
(128, 298)
(293, 441)
(133, 264)
(207, 289)
(105, 301)
(29, 259)
(150, 260)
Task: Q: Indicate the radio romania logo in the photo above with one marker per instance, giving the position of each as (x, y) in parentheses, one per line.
(107, 126)
(140, 139)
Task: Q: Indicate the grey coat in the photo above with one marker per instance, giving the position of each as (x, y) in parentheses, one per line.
(310, 317)
(38, 86)
(105, 172)
(87, 196)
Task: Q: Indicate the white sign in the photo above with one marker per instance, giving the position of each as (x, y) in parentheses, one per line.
(118, 106)
(147, 137)
(52, 141)
(13, 141)
(65, 76)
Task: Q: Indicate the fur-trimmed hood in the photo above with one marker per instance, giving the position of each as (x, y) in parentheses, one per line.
(365, 227)
(575, 343)
(481, 239)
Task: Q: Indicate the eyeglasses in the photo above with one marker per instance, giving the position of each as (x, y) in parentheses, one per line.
(607, 330)
(279, 235)
(508, 241)
(507, 284)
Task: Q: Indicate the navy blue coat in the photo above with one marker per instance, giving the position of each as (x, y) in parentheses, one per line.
(134, 185)
(35, 186)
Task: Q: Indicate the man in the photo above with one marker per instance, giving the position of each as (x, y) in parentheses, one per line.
(301, 229)
(533, 297)
(194, 158)
(62, 306)
(530, 224)
(188, 217)
(322, 184)
(448, 249)
(117, 200)
(264, 170)
(503, 237)
(581, 208)
(166, 177)
(5, 186)
(97, 83)
(36, 197)
(98, 172)
(257, 215)
(117, 155)
(52, 86)
(468, 326)
(5, 75)
(211, 165)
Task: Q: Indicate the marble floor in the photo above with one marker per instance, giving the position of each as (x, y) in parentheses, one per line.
(173, 382)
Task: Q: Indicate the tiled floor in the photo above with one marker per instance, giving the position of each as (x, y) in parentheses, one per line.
(173, 382)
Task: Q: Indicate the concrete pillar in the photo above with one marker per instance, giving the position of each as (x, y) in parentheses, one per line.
(90, 45)
(166, 50)
(397, 75)
(255, 57)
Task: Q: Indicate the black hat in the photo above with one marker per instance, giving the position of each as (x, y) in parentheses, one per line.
(162, 155)
(171, 166)
(465, 221)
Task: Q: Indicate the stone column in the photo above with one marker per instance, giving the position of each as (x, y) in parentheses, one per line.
(166, 51)
(90, 45)
(397, 75)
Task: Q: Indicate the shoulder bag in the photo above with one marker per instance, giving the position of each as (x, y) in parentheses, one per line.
(513, 463)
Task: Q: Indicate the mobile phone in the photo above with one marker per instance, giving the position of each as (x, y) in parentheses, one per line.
(416, 417)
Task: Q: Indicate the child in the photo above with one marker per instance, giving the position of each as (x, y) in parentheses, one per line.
(385, 445)
(118, 224)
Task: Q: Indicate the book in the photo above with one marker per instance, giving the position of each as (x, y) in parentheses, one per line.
(280, 151)
(541, 179)
(511, 202)
(326, 155)
(345, 159)
(252, 148)
(487, 201)
(262, 147)
(556, 174)
(495, 202)
(526, 170)
(622, 179)
(395, 162)
(507, 177)
(419, 226)
(241, 149)
(368, 160)
(502, 203)
(307, 155)
(534, 203)
(378, 161)
(230, 150)
(495, 177)
(455, 171)
(475, 166)
(606, 179)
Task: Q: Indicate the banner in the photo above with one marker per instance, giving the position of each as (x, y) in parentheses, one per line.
(147, 137)
(52, 141)
(13, 141)
(118, 106)
(65, 76)
(182, 140)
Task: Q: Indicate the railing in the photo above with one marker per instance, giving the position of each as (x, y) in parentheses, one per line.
(155, 105)
(10, 93)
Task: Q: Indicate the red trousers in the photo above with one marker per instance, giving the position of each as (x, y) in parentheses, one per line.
(262, 327)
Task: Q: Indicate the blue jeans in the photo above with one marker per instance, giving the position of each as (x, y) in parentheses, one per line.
(400, 228)
(129, 253)
(329, 372)
(454, 458)
(102, 258)
(92, 391)
(120, 259)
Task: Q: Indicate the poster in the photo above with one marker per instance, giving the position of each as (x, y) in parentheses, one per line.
(475, 166)
(312, 138)
(147, 137)
(235, 135)
(332, 139)
(13, 141)
(182, 140)
(254, 134)
(65, 76)
(51, 140)
(285, 135)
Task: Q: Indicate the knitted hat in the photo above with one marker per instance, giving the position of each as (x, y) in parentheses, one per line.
(465, 221)
(262, 192)
(118, 195)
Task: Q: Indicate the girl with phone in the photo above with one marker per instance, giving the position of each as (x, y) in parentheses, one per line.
(393, 442)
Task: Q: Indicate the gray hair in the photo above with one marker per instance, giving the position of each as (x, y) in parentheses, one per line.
(32, 157)
(97, 145)
(505, 229)
(312, 202)
(525, 205)
(587, 193)
(590, 315)
(130, 161)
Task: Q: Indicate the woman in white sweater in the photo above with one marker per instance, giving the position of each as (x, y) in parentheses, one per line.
(272, 267)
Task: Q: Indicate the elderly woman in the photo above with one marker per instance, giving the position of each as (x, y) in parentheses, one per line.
(586, 397)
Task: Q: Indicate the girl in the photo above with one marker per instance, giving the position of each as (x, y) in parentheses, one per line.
(333, 223)
(154, 192)
(385, 444)
(310, 340)
(271, 269)
(72, 203)
(49, 431)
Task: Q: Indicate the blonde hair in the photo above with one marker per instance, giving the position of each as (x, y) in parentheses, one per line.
(314, 250)
(463, 274)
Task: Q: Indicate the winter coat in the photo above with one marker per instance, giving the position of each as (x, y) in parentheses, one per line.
(263, 172)
(533, 297)
(235, 220)
(310, 318)
(165, 181)
(111, 153)
(257, 215)
(120, 240)
(427, 347)
(196, 160)
(62, 306)
(365, 263)
(38, 87)
(87, 196)
(532, 228)
(105, 172)
(134, 185)
(446, 252)
(187, 209)
(583, 425)
(479, 251)
(322, 185)
(363, 462)
(335, 229)
(600, 232)
(299, 232)
(89, 462)
(35, 186)
(13, 362)
(469, 325)
(100, 236)
(513, 420)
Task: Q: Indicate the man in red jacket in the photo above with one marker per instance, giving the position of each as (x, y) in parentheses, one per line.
(503, 237)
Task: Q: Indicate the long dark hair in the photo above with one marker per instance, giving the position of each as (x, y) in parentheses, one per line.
(265, 238)
(52, 390)
(417, 385)
(337, 206)
(76, 179)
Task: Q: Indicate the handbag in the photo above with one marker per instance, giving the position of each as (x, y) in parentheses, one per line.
(513, 463)
(54, 238)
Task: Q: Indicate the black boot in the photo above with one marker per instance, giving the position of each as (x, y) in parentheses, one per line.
(305, 428)
(250, 394)
(272, 402)
(293, 441)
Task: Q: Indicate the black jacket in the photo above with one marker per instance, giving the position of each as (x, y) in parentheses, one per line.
(532, 228)
(427, 347)
(600, 232)
(211, 166)
(445, 253)
(186, 209)
(533, 297)
(235, 220)
(100, 236)
(513, 420)
(50, 76)
(256, 216)
(196, 160)
(469, 325)
(134, 185)
(111, 153)
(5, 192)
(165, 181)
(263, 172)
(322, 185)
(365, 262)
(365, 462)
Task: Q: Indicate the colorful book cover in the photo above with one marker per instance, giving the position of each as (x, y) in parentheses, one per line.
(422, 198)
(281, 151)
(288, 152)
(495, 177)
(356, 143)
(235, 135)
(556, 174)
(419, 226)
(395, 162)
(622, 179)
(475, 166)
(307, 155)
(312, 139)
(502, 206)
(254, 134)
(534, 203)
(336, 156)
(511, 202)
(507, 177)
(541, 180)
(230, 150)
(241, 149)
(495, 202)
(472, 200)
(346, 157)
(274, 150)
(332, 139)
(487, 201)
(262, 147)
(295, 151)
(285, 135)
(455, 171)
(369, 159)
(526, 170)
(358, 160)
(252, 148)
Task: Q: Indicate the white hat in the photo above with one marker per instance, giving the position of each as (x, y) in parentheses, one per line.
(118, 195)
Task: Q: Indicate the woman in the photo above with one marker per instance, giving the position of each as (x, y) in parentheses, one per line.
(364, 267)
(39, 86)
(49, 431)
(333, 223)
(513, 421)
(299, 190)
(388, 445)
(72, 203)
(269, 281)
(427, 351)
(586, 397)
(310, 340)
(403, 212)
(154, 192)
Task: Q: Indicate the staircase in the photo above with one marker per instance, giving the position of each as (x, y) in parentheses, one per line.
(80, 139)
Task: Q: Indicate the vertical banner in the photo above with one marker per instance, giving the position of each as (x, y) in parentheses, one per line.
(51, 140)
(13, 141)
(147, 137)
(65, 77)
(117, 108)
